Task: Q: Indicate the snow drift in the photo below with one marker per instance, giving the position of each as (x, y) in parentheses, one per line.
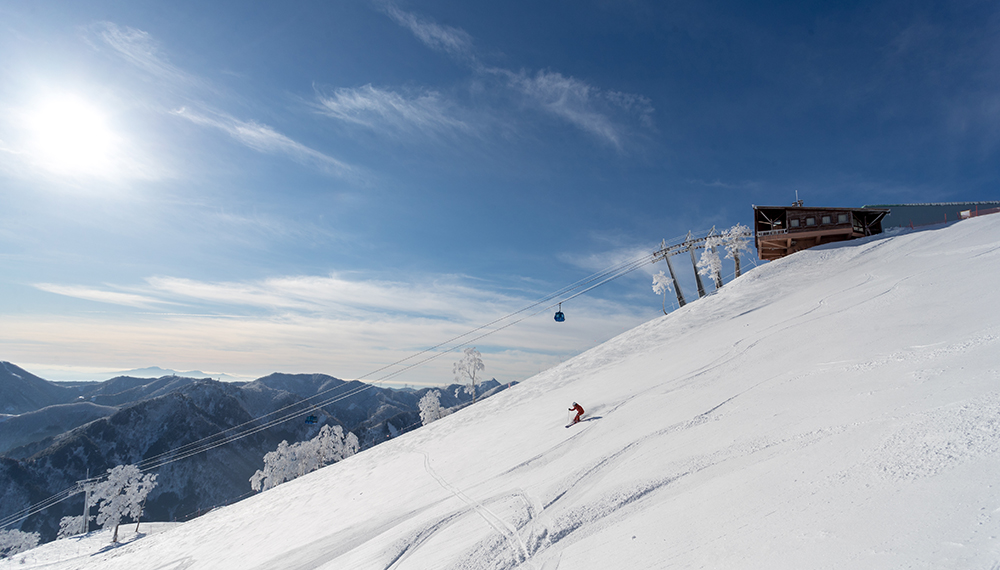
(839, 408)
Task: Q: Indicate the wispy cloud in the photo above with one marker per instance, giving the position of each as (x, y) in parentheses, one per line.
(101, 296)
(453, 41)
(441, 296)
(437, 297)
(139, 48)
(382, 109)
(605, 114)
(587, 107)
(263, 138)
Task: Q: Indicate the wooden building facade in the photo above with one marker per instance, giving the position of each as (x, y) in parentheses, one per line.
(782, 230)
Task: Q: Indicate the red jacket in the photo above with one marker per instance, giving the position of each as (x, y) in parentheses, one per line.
(579, 410)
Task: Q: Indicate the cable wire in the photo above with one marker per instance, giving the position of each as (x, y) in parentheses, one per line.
(253, 426)
(306, 405)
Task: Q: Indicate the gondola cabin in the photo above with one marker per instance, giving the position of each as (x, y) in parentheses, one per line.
(311, 419)
(783, 230)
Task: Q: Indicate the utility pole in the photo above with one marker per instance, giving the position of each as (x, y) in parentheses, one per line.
(694, 264)
(677, 286)
(85, 526)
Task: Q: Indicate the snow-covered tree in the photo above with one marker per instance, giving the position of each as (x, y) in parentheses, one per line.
(291, 461)
(430, 407)
(662, 284)
(735, 242)
(710, 265)
(15, 542)
(70, 526)
(122, 495)
(467, 368)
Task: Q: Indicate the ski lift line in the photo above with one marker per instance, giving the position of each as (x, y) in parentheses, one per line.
(614, 272)
(40, 506)
(586, 280)
(337, 398)
(205, 440)
(612, 278)
(548, 297)
(602, 277)
(544, 309)
(622, 269)
(693, 243)
(203, 445)
(193, 448)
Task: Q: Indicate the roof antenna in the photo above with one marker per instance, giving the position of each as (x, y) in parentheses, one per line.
(797, 202)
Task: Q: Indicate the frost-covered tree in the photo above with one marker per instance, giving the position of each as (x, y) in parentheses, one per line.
(291, 461)
(736, 241)
(15, 542)
(467, 368)
(122, 495)
(662, 284)
(70, 526)
(710, 265)
(430, 407)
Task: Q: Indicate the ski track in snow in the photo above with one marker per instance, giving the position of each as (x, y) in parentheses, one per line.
(407, 545)
(579, 518)
(506, 549)
(499, 551)
(505, 529)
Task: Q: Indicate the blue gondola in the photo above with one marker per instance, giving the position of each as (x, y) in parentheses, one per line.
(311, 419)
(560, 317)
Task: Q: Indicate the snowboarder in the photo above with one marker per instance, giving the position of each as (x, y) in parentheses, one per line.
(579, 413)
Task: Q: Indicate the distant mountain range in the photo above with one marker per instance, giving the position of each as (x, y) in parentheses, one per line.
(56, 433)
(157, 372)
(63, 376)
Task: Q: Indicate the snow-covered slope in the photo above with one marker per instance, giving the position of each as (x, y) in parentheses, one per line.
(839, 408)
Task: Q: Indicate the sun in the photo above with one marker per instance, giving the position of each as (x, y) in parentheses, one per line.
(70, 136)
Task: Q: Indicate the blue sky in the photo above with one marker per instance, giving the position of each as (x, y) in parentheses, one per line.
(246, 187)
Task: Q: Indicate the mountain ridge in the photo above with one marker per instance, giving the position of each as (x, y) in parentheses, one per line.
(154, 416)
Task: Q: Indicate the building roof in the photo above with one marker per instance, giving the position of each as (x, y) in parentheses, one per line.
(929, 213)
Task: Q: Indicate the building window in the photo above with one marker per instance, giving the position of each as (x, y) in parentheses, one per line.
(810, 221)
(826, 219)
(841, 218)
(793, 223)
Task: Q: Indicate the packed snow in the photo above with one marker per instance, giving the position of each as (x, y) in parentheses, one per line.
(839, 408)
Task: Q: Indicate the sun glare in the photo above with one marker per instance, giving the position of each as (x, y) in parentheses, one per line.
(70, 136)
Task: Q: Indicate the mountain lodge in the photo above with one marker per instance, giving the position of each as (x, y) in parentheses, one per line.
(782, 230)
